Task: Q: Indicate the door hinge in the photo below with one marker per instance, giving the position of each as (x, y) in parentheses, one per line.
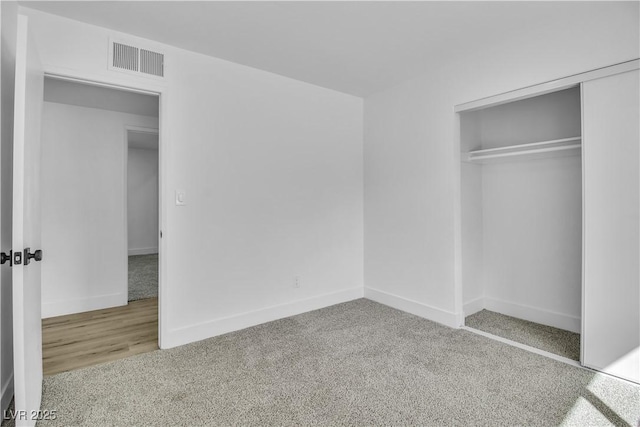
(4, 257)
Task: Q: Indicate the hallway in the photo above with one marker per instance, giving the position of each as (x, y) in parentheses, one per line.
(85, 339)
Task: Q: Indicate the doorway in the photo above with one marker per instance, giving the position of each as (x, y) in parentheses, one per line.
(86, 172)
(142, 212)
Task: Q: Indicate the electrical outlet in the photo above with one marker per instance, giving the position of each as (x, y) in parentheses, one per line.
(296, 282)
(181, 198)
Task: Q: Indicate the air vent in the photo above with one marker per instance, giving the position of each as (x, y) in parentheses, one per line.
(125, 57)
(151, 63)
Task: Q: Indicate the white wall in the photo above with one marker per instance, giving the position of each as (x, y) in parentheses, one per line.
(533, 240)
(8, 25)
(272, 170)
(83, 207)
(142, 201)
(412, 163)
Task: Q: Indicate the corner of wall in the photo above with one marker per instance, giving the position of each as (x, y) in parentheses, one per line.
(473, 306)
(446, 318)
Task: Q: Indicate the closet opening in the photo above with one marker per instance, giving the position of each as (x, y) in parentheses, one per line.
(521, 215)
(100, 191)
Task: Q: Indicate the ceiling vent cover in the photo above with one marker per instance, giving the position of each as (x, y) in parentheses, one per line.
(151, 63)
(125, 57)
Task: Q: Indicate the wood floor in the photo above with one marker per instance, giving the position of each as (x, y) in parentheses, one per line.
(85, 339)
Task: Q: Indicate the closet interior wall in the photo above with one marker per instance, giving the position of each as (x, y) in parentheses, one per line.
(522, 214)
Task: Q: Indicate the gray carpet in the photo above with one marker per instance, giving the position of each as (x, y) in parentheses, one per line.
(553, 340)
(143, 277)
(357, 363)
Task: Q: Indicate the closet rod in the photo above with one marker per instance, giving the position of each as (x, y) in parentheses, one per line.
(529, 145)
(523, 152)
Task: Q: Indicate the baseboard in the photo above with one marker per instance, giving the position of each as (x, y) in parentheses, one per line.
(438, 315)
(225, 325)
(534, 314)
(473, 306)
(80, 305)
(143, 251)
(6, 393)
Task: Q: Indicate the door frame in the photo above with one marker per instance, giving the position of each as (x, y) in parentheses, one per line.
(125, 214)
(159, 89)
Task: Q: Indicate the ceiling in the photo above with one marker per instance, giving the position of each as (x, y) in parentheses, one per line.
(84, 95)
(353, 47)
(142, 140)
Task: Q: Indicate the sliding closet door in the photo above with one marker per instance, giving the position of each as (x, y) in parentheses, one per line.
(611, 159)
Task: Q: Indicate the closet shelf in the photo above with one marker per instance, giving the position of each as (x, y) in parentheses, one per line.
(534, 149)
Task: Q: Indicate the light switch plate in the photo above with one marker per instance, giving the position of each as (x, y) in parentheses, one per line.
(181, 198)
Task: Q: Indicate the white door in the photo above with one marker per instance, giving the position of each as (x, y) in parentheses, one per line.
(27, 326)
(611, 310)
